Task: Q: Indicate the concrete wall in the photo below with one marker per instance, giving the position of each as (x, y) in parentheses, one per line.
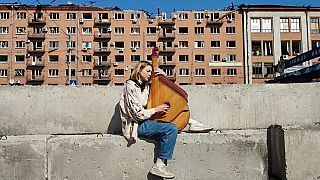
(67, 110)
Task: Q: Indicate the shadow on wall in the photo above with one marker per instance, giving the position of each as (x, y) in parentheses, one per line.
(114, 126)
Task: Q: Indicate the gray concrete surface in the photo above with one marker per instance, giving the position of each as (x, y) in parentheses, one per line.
(68, 110)
(302, 151)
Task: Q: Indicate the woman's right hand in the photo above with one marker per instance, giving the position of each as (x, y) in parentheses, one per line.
(162, 109)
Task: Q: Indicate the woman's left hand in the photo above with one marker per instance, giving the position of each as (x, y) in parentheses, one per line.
(159, 71)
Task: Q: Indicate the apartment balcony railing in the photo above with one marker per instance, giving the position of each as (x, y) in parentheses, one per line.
(166, 63)
(99, 63)
(166, 22)
(167, 50)
(214, 22)
(30, 62)
(37, 21)
(34, 78)
(98, 21)
(32, 35)
(102, 50)
(162, 35)
(33, 49)
(99, 35)
(102, 77)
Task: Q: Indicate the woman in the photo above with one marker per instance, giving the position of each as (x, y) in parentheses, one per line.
(135, 117)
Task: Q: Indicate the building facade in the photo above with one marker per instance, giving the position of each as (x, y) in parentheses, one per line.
(44, 44)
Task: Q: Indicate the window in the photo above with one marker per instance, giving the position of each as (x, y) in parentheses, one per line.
(86, 72)
(53, 73)
(71, 16)
(151, 44)
(135, 30)
(231, 16)
(37, 30)
(215, 72)
(267, 25)
(119, 44)
(19, 72)
(216, 15)
(4, 15)
(182, 16)
(315, 25)
(20, 30)
(199, 30)
(135, 16)
(119, 58)
(256, 48)
(3, 72)
(231, 57)
(35, 72)
(37, 16)
(73, 72)
(215, 44)
(267, 48)
(183, 30)
(20, 44)
(4, 44)
(87, 15)
(54, 30)
(215, 58)
(54, 16)
(119, 72)
(21, 15)
(119, 16)
(36, 58)
(135, 44)
(199, 44)
(119, 30)
(284, 25)
(255, 25)
(168, 71)
(199, 58)
(53, 58)
(231, 44)
(19, 58)
(87, 30)
(135, 58)
(71, 44)
(183, 72)
(215, 30)
(200, 72)
(73, 58)
(86, 45)
(103, 16)
(183, 44)
(231, 72)
(53, 44)
(296, 48)
(71, 30)
(198, 15)
(183, 58)
(4, 30)
(103, 45)
(315, 44)
(151, 30)
(268, 70)
(285, 48)
(3, 58)
(167, 58)
(295, 25)
(257, 70)
(86, 58)
(230, 30)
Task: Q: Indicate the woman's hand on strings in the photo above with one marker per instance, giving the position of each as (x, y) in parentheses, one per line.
(162, 109)
(158, 71)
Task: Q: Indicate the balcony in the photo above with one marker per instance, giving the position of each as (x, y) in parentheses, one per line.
(32, 63)
(163, 35)
(166, 63)
(214, 22)
(32, 35)
(37, 21)
(33, 49)
(102, 78)
(99, 35)
(166, 22)
(102, 50)
(99, 63)
(35, 78)
(101, 22)
(167, 50)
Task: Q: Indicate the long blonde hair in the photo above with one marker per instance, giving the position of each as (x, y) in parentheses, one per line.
(138, 68)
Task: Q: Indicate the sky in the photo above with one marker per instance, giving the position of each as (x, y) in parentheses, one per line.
(169, 5)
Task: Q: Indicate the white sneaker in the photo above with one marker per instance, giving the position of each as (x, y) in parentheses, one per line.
(199, 127)
(161, 171)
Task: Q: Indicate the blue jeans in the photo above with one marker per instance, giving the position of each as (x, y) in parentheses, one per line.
(165, 133)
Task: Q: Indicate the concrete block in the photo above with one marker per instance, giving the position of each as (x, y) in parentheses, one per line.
(227, 155)
(23, 158)
(302, 147)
